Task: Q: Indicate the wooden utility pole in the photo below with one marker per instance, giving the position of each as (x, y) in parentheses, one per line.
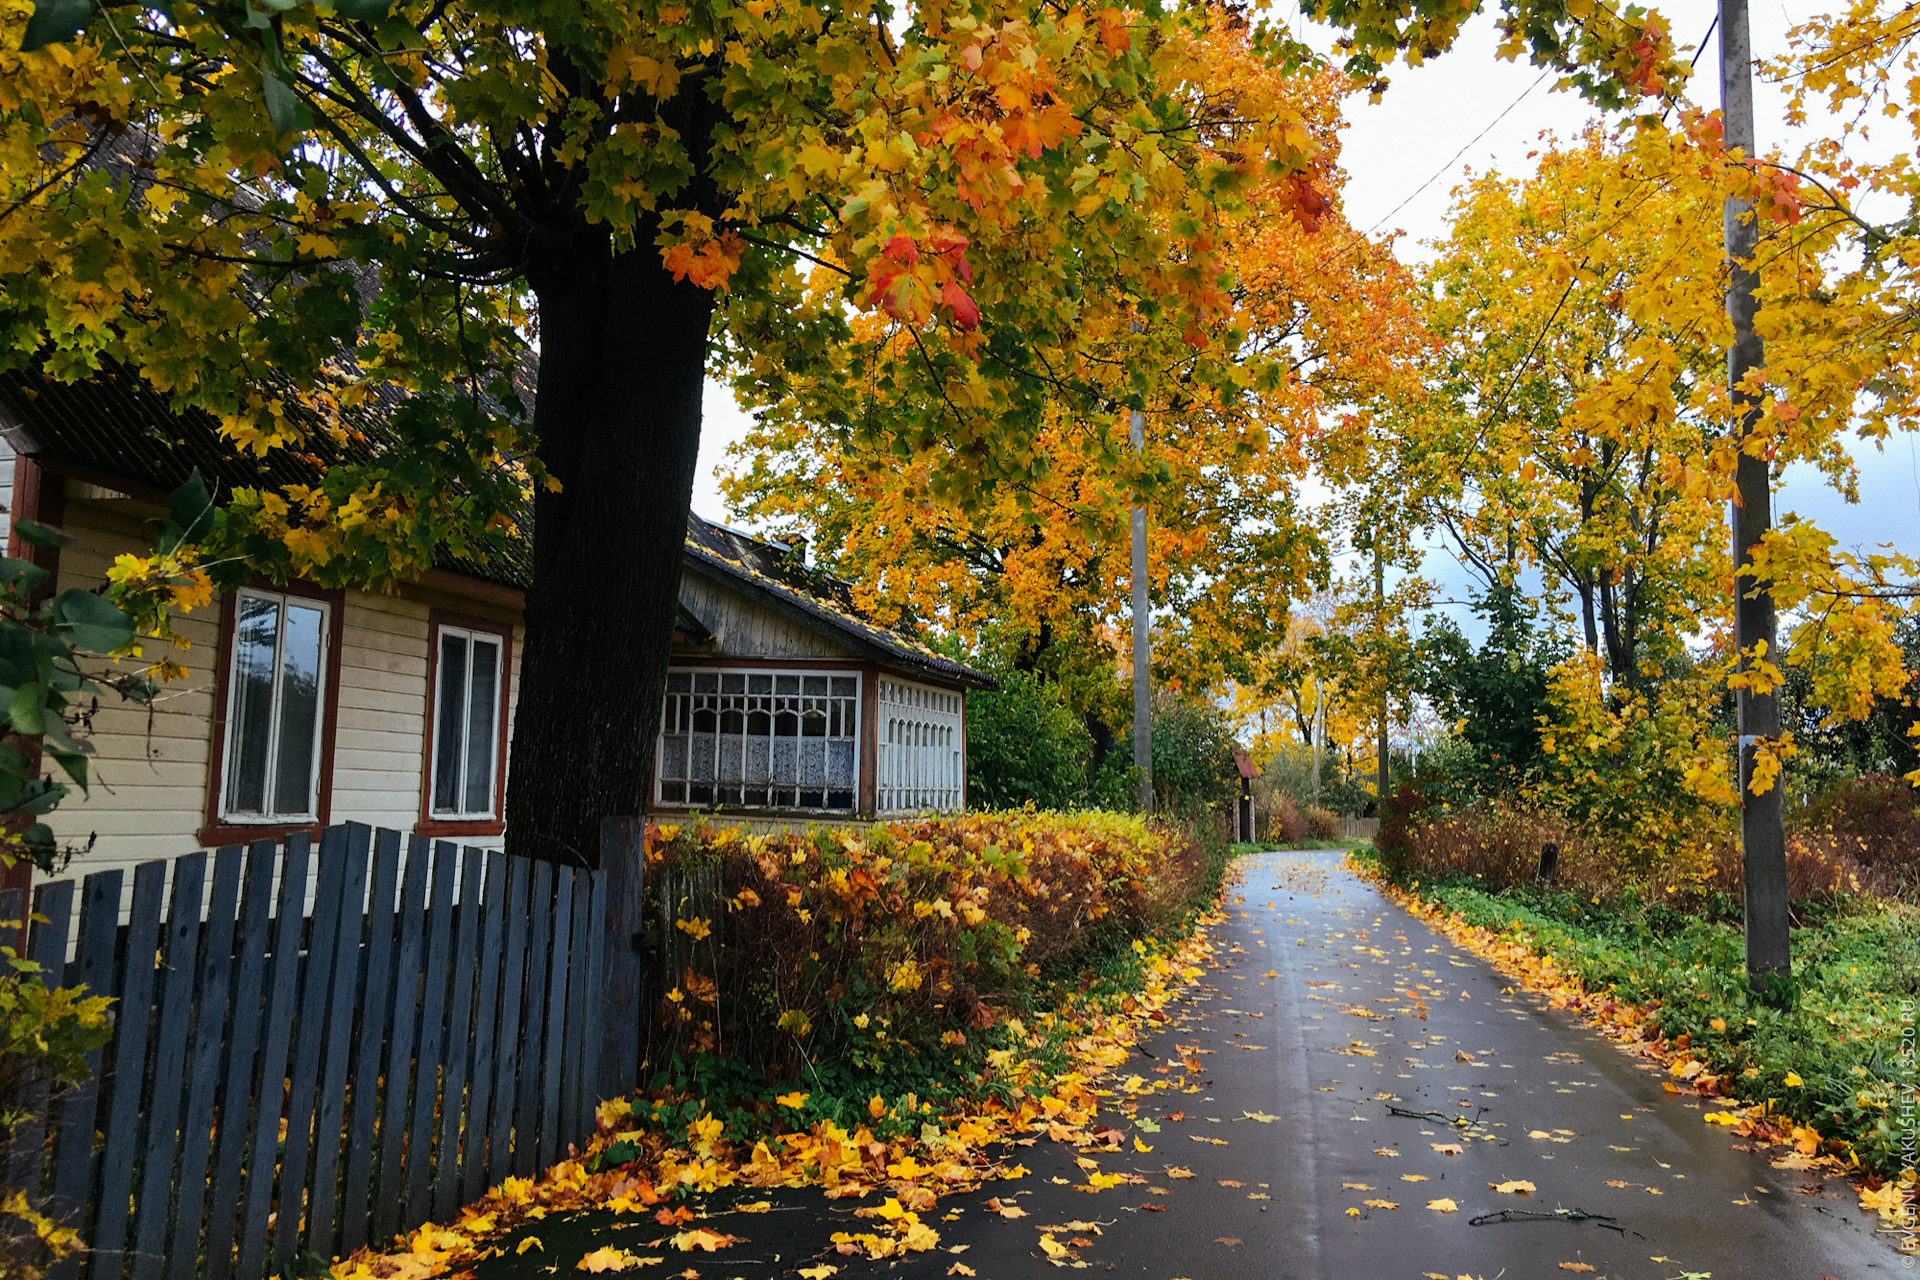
(1142, 609)
(1380, 618)
(1763, 836)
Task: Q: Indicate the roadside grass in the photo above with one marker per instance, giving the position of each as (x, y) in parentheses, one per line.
(1240, 849)
(1831, 1061)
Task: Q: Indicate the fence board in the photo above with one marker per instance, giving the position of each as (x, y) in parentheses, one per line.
(306, 1046)
(342, 993)
(251, 972)
(554, 1072)
(473, 1152)
(459, 1050)
(92, 968)
(592, 1088)
(433, 1034)
(376, 1023)
(210, 1032)
(406, 1025)
(277, 1031)
(154, 1205)
(47, 948)
(573, 1071)
(132, 1024)
(526, 1125)
(508, 1062)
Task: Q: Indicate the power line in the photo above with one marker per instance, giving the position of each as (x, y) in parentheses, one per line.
(1446, 168)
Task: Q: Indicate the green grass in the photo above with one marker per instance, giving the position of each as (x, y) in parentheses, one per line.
(1284, 846)
(1856, 986)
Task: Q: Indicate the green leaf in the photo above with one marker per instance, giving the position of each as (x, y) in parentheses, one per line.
(35, 534)
(190, 508)
(282, 106)
(54, 21)
(92, 622)
(74, 764)
(361, 10)
(24, 709)
(23, 575)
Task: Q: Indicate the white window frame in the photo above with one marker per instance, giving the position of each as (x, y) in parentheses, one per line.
(858, 718)
(281, 599)
(920, 752)
(471, 635)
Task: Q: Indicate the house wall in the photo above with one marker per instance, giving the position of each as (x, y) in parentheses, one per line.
(150, 766)
(743, 628)
(6, 490)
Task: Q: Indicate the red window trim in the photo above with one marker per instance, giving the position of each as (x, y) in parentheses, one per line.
(220, 832)
(428, 825)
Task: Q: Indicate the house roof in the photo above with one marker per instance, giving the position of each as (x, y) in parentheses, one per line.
(115, 429)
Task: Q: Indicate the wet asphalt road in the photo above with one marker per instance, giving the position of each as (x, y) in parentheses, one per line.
(1292, 1131)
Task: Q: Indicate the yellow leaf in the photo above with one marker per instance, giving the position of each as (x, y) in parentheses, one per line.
(697, 928)
(1515, 1188)
(820, 1272)
(701, 1238)
(531, 1242)
(795, 1099)
(1793, 1080)
(1140, 1146)
(1443, 1206)
(1177, 1171)
(1380, 1204)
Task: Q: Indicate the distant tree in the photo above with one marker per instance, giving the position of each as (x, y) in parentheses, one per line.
(1493, 694)
(1025, 744)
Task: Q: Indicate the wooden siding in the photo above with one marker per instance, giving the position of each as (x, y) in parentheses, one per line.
(742, 628)
(150, 770)
(6, 490)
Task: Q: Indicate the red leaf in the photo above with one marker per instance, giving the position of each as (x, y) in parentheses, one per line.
(966, 313)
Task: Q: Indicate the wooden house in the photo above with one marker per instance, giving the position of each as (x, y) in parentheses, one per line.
(304, 706)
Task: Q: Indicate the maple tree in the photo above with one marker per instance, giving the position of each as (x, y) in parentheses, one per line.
(278, 213)
(1309, 318)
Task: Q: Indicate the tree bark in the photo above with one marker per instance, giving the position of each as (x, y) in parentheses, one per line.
(622, 366)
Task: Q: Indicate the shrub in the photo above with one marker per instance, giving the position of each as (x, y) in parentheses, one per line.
(1322, 824)
(1287, 822)
(1193, 770)
(1025, 745)
(1877, 819)
(861, 945)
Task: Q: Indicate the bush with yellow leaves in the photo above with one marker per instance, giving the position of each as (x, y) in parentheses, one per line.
(866, 947)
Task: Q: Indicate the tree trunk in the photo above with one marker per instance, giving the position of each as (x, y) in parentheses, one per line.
(622, 365)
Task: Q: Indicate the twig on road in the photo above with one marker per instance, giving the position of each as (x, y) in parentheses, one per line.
(1558, 1215)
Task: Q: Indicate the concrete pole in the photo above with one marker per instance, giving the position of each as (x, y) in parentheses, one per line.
(1763, 835)
(1380, 614)
(1142, 657)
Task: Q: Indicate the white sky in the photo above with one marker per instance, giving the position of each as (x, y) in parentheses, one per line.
(1403, 157)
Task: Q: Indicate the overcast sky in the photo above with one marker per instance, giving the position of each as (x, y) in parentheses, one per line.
(1469, 110)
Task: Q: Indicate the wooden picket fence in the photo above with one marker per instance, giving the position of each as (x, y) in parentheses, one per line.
(289, 1081)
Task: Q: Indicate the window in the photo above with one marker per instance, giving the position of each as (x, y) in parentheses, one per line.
(760, 739)
(275, 700)
(469, 667)
(919, 762)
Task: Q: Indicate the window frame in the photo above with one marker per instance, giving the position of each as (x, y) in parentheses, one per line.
(429, 823)
(862, 733)
(222, 827)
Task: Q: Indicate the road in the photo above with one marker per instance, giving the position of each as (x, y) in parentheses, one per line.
(1310, 1047)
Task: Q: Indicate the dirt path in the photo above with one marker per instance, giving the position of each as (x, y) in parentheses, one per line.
(1309, 1046)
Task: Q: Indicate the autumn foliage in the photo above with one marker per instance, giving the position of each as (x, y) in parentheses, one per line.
(863, 946)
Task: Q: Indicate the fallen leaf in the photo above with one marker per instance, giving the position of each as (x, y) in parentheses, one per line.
(957, 1269)
(1261, 1116)
(531, 1242)
(1413, 1177)
(1052, 1248)
(1140, 1146)
(821, 1272)
(701, 1238)
(1447, 1148)
(608, 1258)
(1381, 1204)
(1352, 1212)
(1793, 1080)
(1515, 1188)
(758, 1206)
(1576, 1266)
(1218, 1142)
(1178, 1171)
(1229, 1182)
(1443, 1206)
(1228, 1241)
(1355, 1186)
(1150, 1207)
(1386, 1151)
(1615, 1182)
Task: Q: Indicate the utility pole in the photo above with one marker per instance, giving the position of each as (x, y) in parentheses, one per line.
(1380, 618)
(1763, 834)
(1142, 609)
